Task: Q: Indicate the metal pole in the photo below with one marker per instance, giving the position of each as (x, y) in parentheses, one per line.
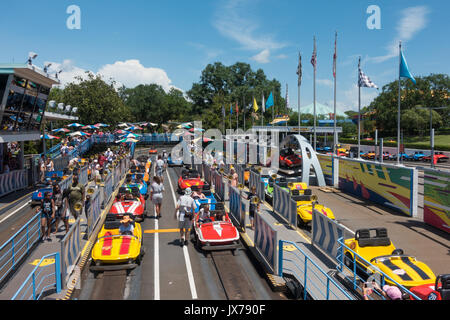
(299, 116)
(359, 112)
(335, 109)
(432, 149)
(399, 103)
(315, 115)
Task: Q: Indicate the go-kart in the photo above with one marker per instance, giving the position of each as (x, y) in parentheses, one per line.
(374, 246)
(369, 155)
(215, 235)
(438, 157)
(440, 290)
(51, 179)
(171, 162)
(288, 159)
(418, 156)
(113, 251)
(306, 201)
(38, 195)
(188, 179)
(129, 202)
(209, 199)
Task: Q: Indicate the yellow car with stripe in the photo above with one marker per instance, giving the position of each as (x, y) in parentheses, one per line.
(305, 200)
(114, 251)
(374, 246)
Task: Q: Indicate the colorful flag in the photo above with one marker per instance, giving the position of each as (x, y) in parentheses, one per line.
(404, 70)
(255, 105)
(269, 102)
(237, 108)
(231, 108)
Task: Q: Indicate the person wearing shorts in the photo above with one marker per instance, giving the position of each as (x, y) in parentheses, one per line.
(185, 210)
(159, 168)
(60, 212)
(156, 194)
(47, 215)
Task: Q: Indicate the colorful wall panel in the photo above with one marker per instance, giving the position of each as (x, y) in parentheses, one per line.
(436, 202)
(326, 163)
(388, 185)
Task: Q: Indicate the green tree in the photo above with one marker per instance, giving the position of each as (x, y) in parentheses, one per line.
(96, 100)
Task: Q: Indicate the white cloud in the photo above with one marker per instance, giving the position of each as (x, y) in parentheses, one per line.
(414, 19)
(262, 57)
(129, 73)
(132, 73)
(351, 97)
(232, 21)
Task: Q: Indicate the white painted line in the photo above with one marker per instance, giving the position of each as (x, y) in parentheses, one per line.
(14, 212)
(186, 252)
(156, 261)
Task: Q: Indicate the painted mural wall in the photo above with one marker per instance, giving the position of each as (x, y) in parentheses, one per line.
(436, 210)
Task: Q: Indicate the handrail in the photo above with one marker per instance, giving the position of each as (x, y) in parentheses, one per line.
(33, 275)
(384, 276)
(15, 241)
(307, 258)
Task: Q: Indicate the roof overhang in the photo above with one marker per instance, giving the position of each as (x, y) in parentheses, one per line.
(29, 72)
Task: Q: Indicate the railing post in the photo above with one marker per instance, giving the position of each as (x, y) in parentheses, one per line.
(12, 250)
(328, 288)
(305, 279)
(280, 258)
(58, 272)
(34, 286)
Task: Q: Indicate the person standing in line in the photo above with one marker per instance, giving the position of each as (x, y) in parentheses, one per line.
(47, 215)
(234, 178)
(49, 166)
(42, 169)
(156, 194)
(184, 211)
(253, 207)
(59, 210)
(76, 193)
(159, 166)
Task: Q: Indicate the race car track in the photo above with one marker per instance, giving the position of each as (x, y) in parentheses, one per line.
(171, 272)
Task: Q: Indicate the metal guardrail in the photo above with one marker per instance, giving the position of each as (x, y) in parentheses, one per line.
(13, 181)
(40, 281)
(358, 269)
(315, 281)
(19, 245)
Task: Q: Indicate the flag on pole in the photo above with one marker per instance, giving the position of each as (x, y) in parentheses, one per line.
(269, 102)
(299, 70)
(223, 111)
(255, 105)
(314, 57)
(237, 108)
(364, 81)
(404, 70)
(231, 108)
(335, 57)
(263, 103)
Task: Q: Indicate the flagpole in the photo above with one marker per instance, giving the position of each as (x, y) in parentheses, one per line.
(335, 81)
(359, 110)
(315, 115)
(262, 110)
(399, 103)
(299, 84)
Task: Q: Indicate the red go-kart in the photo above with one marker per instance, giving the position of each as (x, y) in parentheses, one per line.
(128, 202)
(188, 179)
(438, 291)
(216, 233)
(289, 159)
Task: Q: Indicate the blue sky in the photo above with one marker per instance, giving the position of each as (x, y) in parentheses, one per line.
(170, 42)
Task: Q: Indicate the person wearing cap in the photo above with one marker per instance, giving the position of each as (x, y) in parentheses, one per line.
(184, 211)
(126, 226)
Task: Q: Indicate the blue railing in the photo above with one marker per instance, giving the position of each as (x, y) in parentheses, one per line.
(19, 245)
(316, 282)
(41, 280)
(357, 269)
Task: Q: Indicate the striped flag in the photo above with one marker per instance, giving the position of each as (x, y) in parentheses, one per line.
(299, 70)
(314, 57)
(335, 57)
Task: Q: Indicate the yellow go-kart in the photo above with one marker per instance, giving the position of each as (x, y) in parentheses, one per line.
(305, 200)
(374, 246)
(114, 251)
